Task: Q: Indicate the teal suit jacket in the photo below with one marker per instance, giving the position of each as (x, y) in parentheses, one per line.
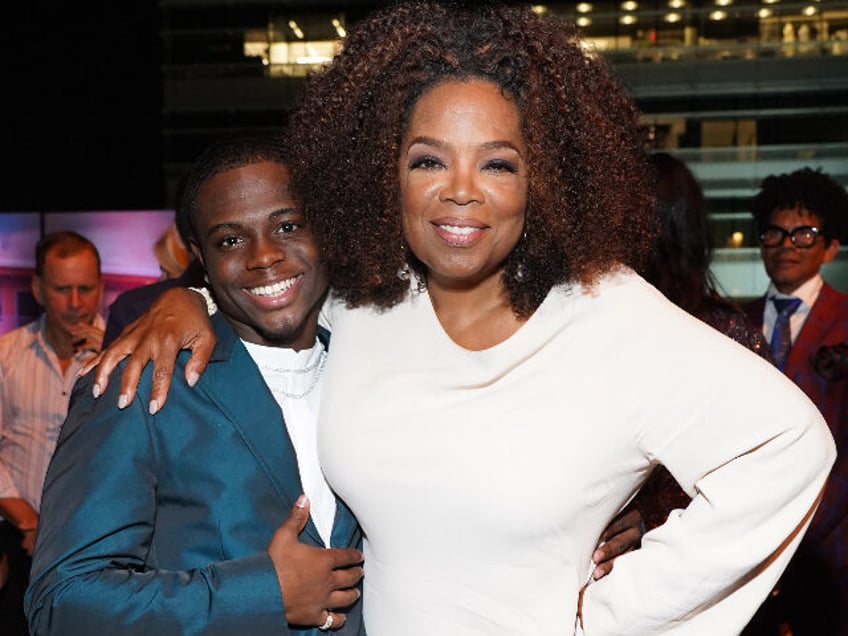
(160, 524)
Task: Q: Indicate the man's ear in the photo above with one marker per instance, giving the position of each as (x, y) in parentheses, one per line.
(37, 290)
(831, 251)
(102, 287)
(195, 249)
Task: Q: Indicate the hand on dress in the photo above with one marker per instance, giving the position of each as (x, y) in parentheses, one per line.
(313, 580)
(623, 534)
(176, 320)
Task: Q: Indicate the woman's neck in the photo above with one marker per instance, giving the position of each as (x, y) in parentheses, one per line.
(476, 317)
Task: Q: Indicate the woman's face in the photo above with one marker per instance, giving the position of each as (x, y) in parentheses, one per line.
(463, 182)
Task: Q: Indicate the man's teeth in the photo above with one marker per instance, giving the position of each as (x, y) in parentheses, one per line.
(459, 229)
(273, 290)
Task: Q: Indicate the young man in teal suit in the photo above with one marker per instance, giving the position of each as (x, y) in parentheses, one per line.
(800, 218)
(193, 520)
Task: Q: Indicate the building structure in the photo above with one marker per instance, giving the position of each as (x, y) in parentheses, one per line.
(123, 100)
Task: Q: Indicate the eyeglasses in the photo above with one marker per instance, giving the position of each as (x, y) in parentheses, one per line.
(802, 236)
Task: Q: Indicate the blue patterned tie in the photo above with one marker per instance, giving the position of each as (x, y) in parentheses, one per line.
(781, 337)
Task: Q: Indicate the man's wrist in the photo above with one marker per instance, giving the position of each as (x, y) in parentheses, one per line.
(17, 513)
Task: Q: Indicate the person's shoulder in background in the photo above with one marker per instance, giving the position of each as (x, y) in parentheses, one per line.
(130, 304)
(732, 320)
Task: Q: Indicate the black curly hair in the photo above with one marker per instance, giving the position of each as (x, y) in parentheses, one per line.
(805, 188)
(588, 207)
(226, 153)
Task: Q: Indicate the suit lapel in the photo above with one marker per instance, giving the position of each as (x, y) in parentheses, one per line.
(813, 331)
(344, 526)
(233, 382)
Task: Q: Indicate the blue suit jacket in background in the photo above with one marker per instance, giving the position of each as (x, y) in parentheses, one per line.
(160, 524)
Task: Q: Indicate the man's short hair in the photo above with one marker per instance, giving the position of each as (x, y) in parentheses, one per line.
(66, 243)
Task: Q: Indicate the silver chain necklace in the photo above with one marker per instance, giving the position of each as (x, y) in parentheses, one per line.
(318, 363)
(317, 367)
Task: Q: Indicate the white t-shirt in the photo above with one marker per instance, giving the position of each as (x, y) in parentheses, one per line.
(808, 293)
(294, 378)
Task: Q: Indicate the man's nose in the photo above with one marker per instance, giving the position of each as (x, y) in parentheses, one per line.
(266, 252)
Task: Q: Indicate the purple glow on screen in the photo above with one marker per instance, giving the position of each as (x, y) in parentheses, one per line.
(125, 240)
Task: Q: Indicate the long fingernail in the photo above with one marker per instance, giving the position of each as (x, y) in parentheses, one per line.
(95, 390)
(153, 407)
(301, 502)
(193, 377)
(123, 400)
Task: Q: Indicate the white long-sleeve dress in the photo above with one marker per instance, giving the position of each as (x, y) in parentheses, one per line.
(482, 479)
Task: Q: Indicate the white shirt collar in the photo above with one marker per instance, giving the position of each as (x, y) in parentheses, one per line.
(808, 292)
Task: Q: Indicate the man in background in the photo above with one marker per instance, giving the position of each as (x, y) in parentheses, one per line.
(800, 218)
(39, 363)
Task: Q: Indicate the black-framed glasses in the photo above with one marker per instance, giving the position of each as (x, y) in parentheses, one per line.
(801, 236)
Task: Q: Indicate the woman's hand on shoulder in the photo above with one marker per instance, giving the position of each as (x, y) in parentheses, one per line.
(176, 320)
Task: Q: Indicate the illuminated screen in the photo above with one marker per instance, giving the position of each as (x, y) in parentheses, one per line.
(125, 240)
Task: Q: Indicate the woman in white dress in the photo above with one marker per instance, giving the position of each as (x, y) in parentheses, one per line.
(500, 381)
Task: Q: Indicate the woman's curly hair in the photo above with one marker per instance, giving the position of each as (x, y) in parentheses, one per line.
(588, 207)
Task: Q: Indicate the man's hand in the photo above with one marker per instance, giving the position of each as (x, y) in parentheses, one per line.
(28, 542)
(176, 320)
(86, 337)
(622, 535)
(20, 514)
(313, 581)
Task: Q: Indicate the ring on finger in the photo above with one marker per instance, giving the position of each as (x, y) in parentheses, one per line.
(327, 623)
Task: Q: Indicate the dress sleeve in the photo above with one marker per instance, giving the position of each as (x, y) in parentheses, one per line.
(661, 493)
(755, 469)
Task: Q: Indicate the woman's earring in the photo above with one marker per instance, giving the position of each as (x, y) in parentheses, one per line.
(403, 271)
(519, 273)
